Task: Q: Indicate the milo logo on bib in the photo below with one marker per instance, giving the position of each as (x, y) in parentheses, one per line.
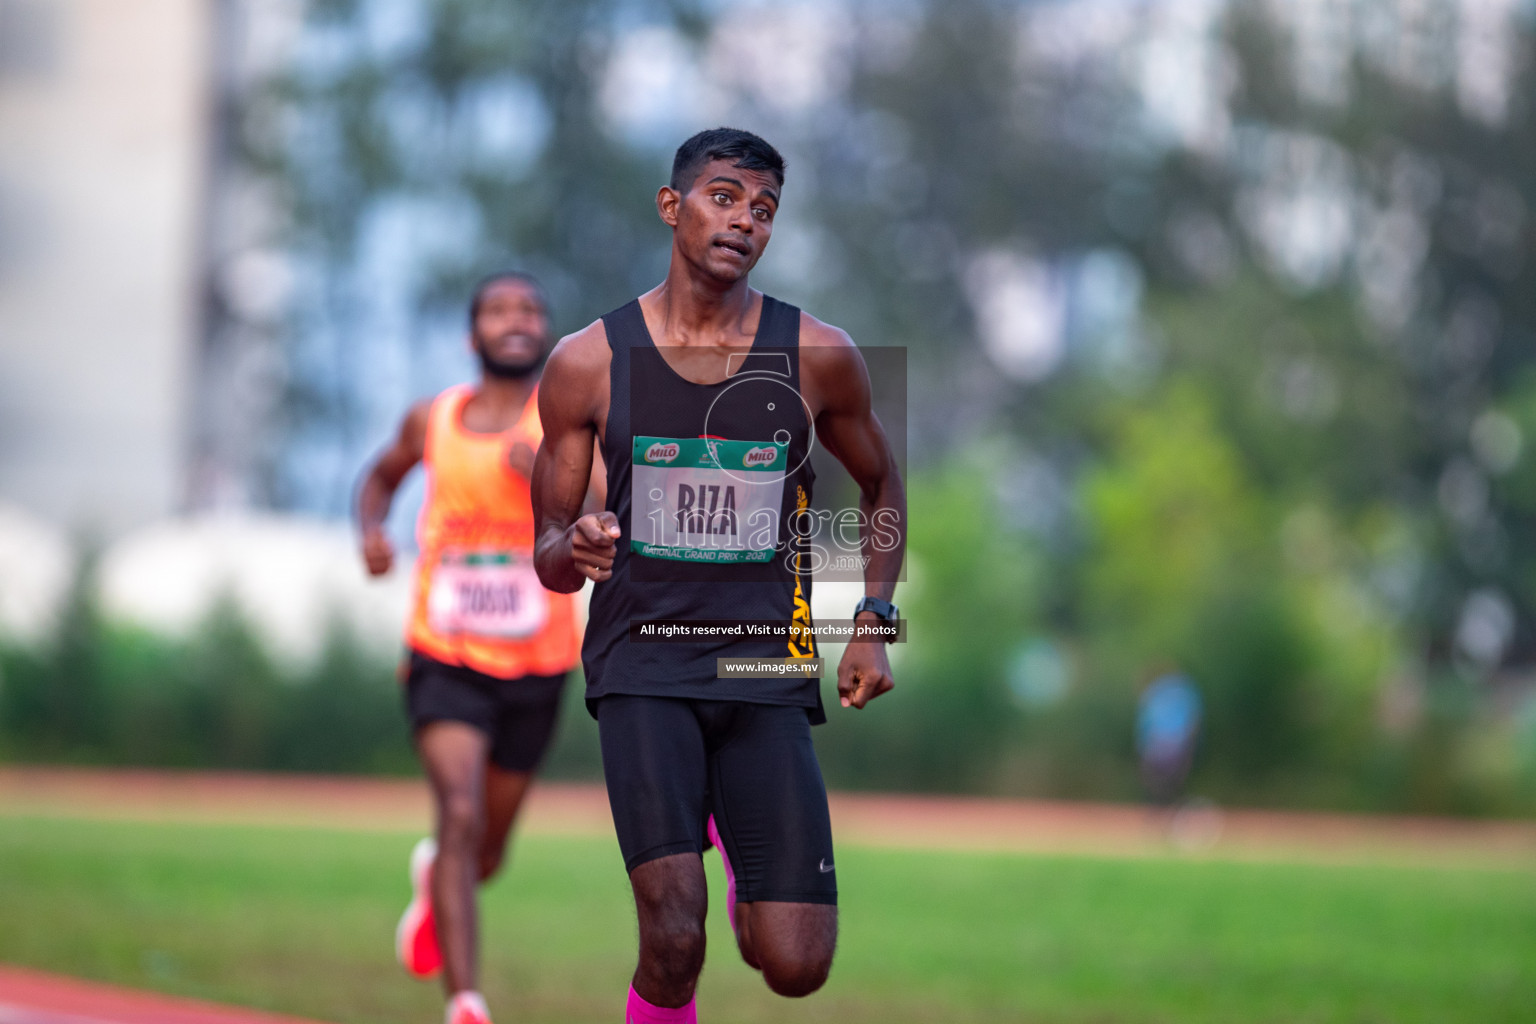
(760, 457)
(659, 452)
(696, 499)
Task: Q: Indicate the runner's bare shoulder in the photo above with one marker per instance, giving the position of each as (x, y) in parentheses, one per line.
(576, 373)
(412, 441)
(815, 333)
(416, 417)
(585, 350)
(831, 366)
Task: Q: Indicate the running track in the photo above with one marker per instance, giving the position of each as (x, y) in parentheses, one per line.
(32, 997)
(919, 822)
(29, 997)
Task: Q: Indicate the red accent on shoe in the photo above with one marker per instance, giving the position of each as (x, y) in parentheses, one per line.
(416, 936)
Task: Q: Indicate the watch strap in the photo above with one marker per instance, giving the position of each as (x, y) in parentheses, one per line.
(885, 609)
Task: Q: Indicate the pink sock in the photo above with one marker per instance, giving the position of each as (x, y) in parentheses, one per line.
(638, 1011)
(730, 876)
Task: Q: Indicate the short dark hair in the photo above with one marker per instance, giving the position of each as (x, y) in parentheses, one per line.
(485, 284)
(744, 149)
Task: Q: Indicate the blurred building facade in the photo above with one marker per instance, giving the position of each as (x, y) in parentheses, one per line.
(103, 113)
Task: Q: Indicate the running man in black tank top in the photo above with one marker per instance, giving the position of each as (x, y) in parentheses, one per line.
(706, 397)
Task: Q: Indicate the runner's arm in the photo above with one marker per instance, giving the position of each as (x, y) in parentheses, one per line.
(848, 427)
(597, 488)
(571, 548)
(380, 480)
(524, 449)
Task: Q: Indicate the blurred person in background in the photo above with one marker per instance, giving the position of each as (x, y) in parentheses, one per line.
(489, 648)
(691, 756)
(1167, 726)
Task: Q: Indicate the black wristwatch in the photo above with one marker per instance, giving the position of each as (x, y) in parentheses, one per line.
(884, 609)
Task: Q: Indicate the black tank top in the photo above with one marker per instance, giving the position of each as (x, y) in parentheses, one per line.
(705, 480)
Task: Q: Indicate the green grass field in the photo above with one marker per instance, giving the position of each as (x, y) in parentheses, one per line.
(301, 921)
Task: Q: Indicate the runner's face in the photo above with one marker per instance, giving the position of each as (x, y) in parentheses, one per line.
(511, 329)
(724, 220)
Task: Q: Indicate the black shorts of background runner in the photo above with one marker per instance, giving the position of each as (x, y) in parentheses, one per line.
(518, 715)
(671, 762)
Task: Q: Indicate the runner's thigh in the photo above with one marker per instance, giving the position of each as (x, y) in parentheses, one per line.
(655, 766)
(770, 803)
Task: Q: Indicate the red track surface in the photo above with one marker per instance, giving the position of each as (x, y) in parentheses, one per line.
(32, 997)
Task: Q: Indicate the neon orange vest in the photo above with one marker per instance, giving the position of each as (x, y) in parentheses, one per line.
(478, 602)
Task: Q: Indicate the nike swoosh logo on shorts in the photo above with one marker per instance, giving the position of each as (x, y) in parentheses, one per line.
(825, 867)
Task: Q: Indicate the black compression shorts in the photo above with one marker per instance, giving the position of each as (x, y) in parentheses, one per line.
(518, 715)
(672, 762)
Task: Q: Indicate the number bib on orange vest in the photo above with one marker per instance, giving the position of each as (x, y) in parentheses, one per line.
(486, 593)
(697, 499)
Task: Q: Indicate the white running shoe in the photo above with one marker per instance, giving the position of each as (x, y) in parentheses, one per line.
(467, 1008)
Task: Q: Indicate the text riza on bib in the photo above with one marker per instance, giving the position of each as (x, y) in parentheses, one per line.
(705, 499)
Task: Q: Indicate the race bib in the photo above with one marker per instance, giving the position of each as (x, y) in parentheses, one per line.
(486, 593)
(697, 499)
